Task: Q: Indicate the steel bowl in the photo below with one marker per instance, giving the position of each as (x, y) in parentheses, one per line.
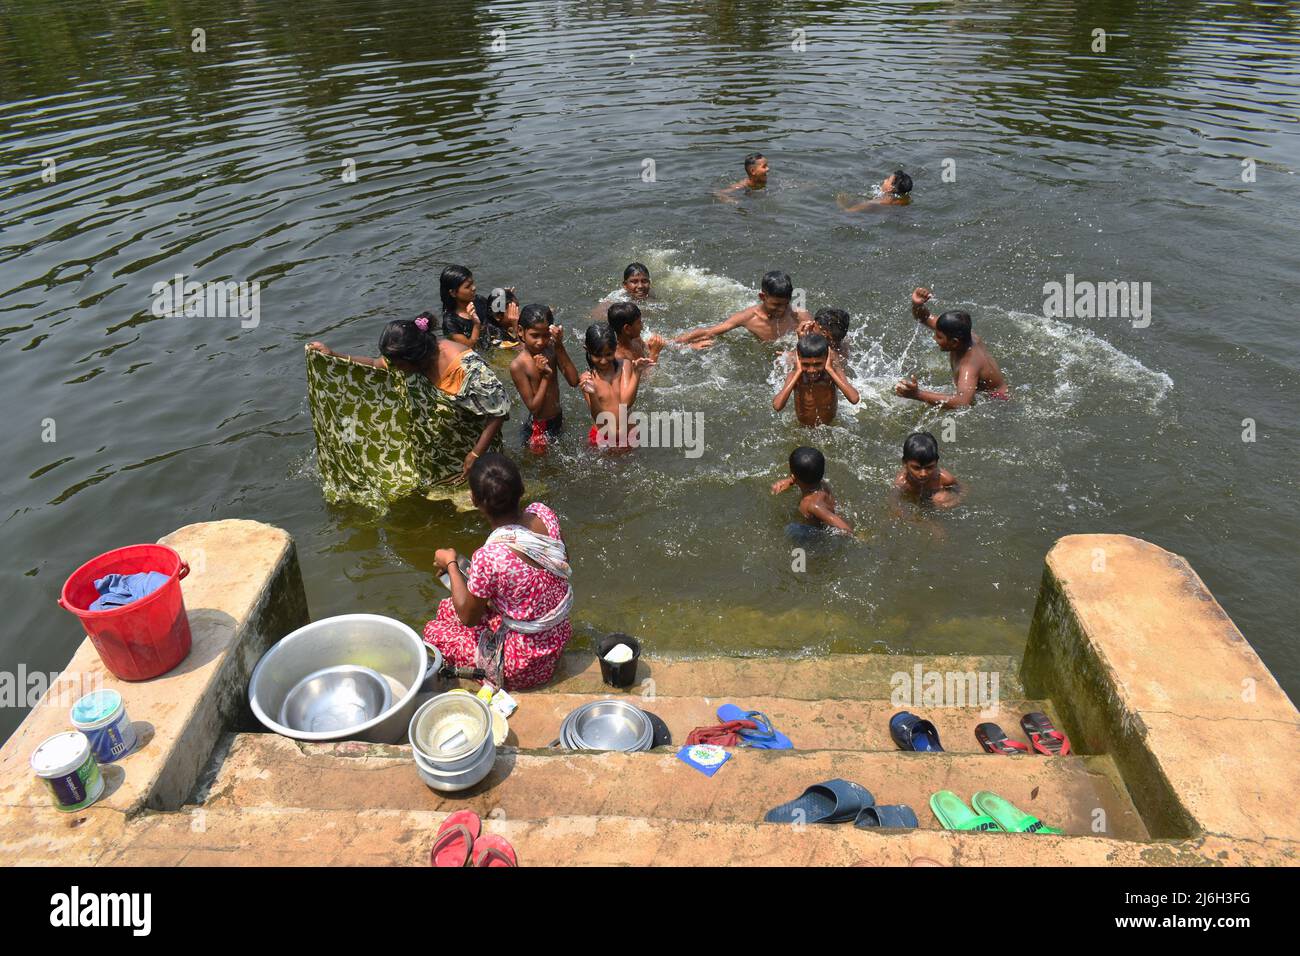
(387, 647)
(336, 699)
(449, 730)
(607, 725)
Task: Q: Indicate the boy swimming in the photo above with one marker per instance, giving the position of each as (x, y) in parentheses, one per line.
(536, 371)
(814, 383)
(609, 386)
(636, 283)
(921, 478)
(772, 318)
(756, 168)
(625, 320)
(816, 502)
(973, 369)
(896, 190)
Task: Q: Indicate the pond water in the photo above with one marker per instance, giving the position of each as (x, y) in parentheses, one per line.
(526, 164)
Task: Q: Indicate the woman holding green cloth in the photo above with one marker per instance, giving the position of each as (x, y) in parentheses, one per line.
(411, 346)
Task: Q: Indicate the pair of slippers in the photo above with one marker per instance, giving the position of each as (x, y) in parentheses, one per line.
(838, 801)
(460, 842)
(992, 813)
(1043, 737)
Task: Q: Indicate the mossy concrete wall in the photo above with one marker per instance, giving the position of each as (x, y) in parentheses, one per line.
(1142, 663)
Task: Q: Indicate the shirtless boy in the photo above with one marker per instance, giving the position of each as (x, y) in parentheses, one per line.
(625, 320)
(536, 370)
(896, 190)
(921, 478)
(816, 502)
(815, 383)
(772, 318)
(636, 283)
(755, 178)
(609, 386)
(973, 369)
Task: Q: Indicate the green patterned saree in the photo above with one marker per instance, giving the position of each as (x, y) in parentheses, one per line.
(383, 435)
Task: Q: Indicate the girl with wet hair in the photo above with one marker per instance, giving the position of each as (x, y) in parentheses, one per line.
(466, 315)
(509, 614)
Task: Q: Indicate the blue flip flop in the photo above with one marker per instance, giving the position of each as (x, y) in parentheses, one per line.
(767, 737)
(833, 801)
(910, 732)
(886, 818)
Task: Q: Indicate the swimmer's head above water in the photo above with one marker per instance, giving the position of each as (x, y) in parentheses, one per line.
(898, 183)
(813, 351)
(807, 467)
(636, 280)
(775, 293)
(952, 331)
(920, 457)
(625, 319)
(756, 168)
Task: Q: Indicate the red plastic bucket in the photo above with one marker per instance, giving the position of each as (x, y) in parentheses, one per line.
(142, 639)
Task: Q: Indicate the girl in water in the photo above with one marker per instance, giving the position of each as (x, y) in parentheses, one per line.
(466, 315)
(412, 347)
(610, 387)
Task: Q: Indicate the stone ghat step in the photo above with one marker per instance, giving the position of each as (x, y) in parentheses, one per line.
(258, 836)
(834, 676)
(265, 770)
(810, 724)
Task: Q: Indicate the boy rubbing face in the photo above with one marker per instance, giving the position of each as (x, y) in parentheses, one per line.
(814, 369)
(537, 338)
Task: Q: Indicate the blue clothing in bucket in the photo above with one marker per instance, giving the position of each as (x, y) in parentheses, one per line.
(116, 590)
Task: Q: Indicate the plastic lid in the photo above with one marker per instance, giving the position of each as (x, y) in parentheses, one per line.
(61, 754)
(95, 707)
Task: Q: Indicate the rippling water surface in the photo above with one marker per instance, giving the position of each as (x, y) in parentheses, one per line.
(526, 164)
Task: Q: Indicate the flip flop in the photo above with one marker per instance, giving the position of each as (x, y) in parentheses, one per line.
(831, 802)
(887, 818)
(1044, 736)
(456, 839)
(493, 850)
(993, 740)
(767, 737)
(1008, 817)
(955, 815)
(912, 733)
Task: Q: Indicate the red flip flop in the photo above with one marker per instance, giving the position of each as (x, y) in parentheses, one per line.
(995, 741)
(493, 850)
(456, 838)
(1044, 735)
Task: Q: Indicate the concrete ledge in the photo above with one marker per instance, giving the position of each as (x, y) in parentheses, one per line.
(1143, 663)
(243, 593)
(255, 836)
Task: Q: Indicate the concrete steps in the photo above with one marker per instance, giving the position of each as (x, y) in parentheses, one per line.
(810, 724)
(831, 677)
(275, 836)
(261, 770)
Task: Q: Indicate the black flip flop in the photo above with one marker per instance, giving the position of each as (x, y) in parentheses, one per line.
(993, 740)
(1044, 736)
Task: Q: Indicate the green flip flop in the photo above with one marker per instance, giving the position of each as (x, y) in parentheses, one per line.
(955, 815)
(1007, 815)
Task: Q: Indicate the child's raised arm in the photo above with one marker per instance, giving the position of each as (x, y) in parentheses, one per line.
(787, 389)
(567, 368)
(530, 380)
(357, 359)
(920, 296)
(842, 383)
(630, 380)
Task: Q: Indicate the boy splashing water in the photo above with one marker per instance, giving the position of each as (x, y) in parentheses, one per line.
(815, 383)
(973, 369)
(625, 320)
(896, 190)
(536, 372)
(772, 318)
(816, 502)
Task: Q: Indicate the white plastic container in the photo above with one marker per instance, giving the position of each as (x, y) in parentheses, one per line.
(67, 765)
